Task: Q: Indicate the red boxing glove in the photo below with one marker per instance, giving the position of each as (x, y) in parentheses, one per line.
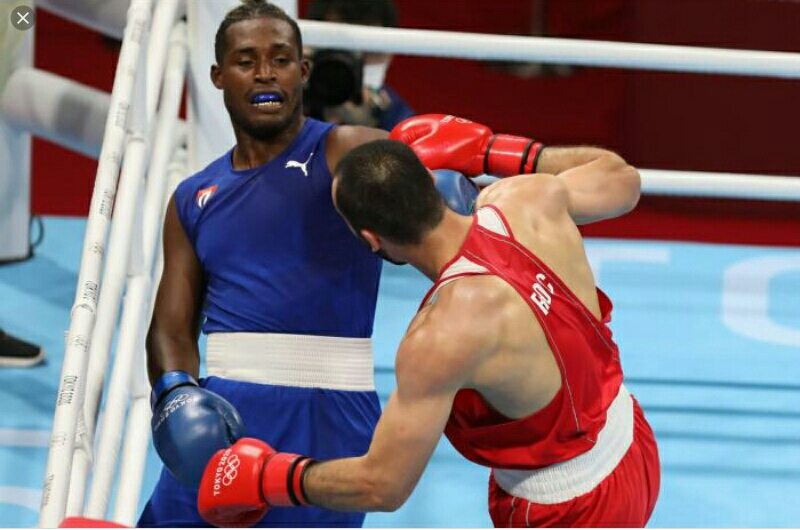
(242, 482)
(449, 142)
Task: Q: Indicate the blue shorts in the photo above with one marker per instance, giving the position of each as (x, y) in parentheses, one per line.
(322, 424)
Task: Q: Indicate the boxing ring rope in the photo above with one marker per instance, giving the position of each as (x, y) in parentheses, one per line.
(661, 57)
(137, 301)
(94, 314)
(71, 391)
(151, 144)
(708, 184)
(720, 185)
(480, 46)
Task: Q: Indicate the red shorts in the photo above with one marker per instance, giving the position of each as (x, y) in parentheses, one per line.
(625, 498)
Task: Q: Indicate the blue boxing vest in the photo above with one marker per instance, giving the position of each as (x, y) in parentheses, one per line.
(277, 256)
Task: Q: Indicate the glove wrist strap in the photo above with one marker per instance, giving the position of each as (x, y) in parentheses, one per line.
(508, 155)
(167, 382)
(282, 480)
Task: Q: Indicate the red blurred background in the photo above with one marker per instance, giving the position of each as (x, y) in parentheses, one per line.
(654, 119)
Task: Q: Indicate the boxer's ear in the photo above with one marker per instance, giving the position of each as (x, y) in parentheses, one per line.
(372, 239)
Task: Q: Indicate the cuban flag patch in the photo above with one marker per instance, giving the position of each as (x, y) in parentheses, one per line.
(205, 194)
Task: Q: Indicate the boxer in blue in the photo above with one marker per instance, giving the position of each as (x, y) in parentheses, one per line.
(256, 257)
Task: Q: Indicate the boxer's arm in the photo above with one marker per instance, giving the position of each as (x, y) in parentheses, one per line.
(432, 365)
(600, 184)
(557, 159)
(346, 137)
(175, 325)
(592, 184)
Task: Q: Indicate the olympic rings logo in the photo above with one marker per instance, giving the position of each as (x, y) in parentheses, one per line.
(230, 470)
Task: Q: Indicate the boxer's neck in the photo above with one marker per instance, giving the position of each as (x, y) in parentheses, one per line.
(440, 245)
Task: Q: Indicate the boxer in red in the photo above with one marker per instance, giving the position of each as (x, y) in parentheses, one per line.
(510, 355)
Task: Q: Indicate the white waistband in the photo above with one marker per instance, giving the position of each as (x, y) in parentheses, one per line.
(309, 361)
(577, 476)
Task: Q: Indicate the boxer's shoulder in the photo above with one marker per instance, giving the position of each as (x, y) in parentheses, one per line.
(343, 138)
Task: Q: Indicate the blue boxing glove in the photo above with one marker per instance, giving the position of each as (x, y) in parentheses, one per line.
(190, 424)
(458, 192)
